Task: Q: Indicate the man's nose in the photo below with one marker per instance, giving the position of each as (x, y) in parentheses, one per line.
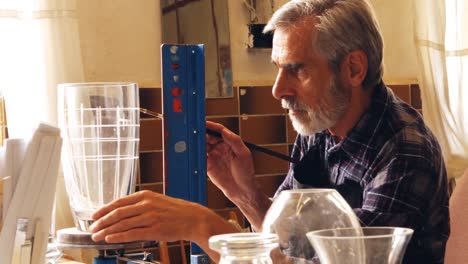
(282, 86)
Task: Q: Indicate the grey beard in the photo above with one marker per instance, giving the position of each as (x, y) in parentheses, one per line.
(324, 115)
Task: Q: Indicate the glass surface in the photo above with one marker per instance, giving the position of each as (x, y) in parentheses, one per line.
(244, 248)
(100, 129)
(367, 245)
(293, 213)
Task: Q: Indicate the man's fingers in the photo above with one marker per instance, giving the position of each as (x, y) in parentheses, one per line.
(136, 206)
(214, 126)
(234, 141)
(128, 200)
(116, 216)
(134, 222)
(229, 137)
(143, 233)
(125, 201)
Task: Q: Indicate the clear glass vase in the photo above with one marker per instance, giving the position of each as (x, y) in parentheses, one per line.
(244, 248)
(100, 125)
(293, 213)
(367, 245)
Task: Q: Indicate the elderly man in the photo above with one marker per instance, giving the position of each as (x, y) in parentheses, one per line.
(354, 135)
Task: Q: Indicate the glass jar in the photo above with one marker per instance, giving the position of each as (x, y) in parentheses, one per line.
(244, 248)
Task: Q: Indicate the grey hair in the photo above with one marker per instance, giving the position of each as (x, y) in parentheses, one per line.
(344, 26)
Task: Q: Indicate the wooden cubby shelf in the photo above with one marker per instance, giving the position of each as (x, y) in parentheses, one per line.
(258, 100)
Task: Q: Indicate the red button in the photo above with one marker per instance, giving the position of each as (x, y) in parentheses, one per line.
(177, 105)
(175, 66)
(176, 91)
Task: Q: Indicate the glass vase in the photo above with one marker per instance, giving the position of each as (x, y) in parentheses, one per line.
(100, 125)
(367, 245)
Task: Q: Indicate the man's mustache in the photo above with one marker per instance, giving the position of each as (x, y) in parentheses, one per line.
(291, 103)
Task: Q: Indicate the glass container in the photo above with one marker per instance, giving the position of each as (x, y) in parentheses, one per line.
(293, 213)
(244, 248)
(367, 245)
(100, 129)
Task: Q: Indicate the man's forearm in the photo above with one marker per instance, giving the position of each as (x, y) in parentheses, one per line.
(254, 206)
(207, 224)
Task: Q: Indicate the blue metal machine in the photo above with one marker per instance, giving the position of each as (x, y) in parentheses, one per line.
(183, 71)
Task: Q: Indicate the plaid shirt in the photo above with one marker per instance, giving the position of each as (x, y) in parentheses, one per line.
(390, 170)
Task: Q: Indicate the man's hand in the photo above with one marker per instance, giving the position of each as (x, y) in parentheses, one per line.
(145, 215)
(229, 162)
(230, 167)
(148, 215)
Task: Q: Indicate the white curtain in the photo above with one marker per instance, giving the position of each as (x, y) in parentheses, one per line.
(441, 35)
(39, 48)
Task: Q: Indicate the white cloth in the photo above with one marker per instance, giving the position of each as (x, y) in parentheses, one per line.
(441, 37)
(39, 48)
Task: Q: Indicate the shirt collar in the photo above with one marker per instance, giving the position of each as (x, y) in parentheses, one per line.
(359, 144)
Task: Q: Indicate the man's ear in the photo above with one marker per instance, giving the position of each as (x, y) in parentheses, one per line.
(354, 67)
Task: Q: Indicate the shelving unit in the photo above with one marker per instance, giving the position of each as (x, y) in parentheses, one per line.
(150, 176)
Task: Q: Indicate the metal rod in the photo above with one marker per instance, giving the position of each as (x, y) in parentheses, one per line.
(151, 113)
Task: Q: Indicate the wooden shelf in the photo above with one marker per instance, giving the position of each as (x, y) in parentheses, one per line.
(258, 100)
(150, 98)
(223, 106)
(154, 187)
(263, 130)
(270, 183)
(266, 164)
(232, 123)
(152, 166)
(291, 134)
(150, 174)
(150, 135)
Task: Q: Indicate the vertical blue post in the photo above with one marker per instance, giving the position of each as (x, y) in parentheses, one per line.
(183, 81)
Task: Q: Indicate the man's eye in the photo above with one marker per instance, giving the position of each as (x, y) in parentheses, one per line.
(295, 70)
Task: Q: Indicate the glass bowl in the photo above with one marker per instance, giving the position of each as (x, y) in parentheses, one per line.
(293, 213)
